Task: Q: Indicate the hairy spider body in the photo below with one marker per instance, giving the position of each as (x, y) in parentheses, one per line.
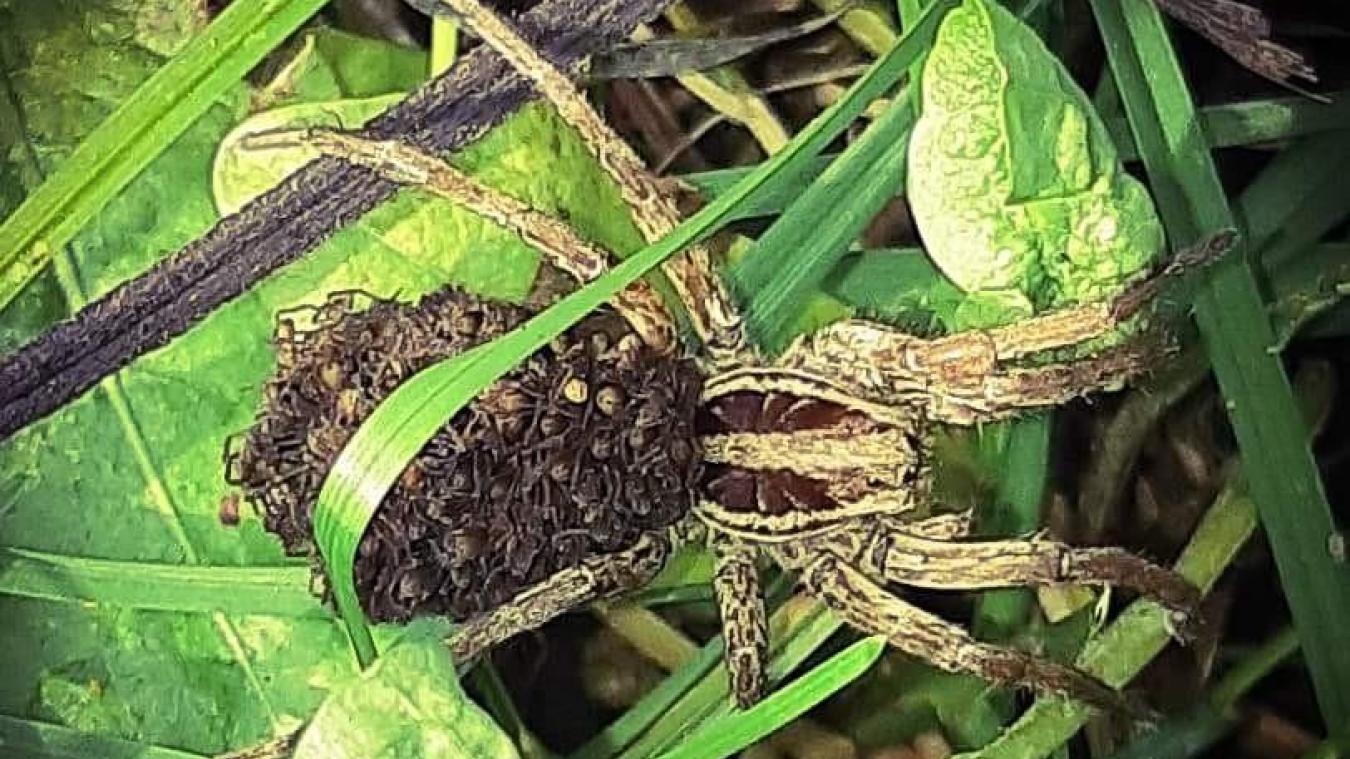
(583, 450)
(816, 458)
(589, 446)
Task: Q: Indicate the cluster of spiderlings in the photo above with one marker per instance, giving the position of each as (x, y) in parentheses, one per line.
(581, 450)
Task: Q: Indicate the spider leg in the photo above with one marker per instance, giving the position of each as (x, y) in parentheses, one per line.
(559, 244)
(597, 577)
(1068, 326)
(950, 526)
(654, 208)
(888, 358)
(745, 629)
(962, 397)
(931, 563)
(871, 608)
(1004, 393)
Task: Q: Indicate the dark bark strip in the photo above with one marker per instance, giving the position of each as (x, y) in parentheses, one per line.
(147, 312)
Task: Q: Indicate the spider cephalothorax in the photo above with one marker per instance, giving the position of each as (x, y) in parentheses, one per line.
(569, 479)
(785, 465)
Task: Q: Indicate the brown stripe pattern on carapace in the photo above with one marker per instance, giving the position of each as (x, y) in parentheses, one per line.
(581, 450)
(781, 466)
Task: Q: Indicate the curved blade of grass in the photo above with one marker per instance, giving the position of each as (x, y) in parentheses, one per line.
(30, 739)
(726, 736)
(365, 470)
(672, 690)
(139, 130)
(1017, 454)
(1271, 435)
(401, 425)
(273, 591)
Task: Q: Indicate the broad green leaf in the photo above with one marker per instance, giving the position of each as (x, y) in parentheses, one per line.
(1014, 181)
(136, 481)
(117, 44)
(140, 480)
(32, 739)
(132, 471)
(327, 64)
(409, 705)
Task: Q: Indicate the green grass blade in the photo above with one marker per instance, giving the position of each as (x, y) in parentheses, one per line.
(1017, 454)
(714, 182)
(818, 227)
(1195, 731)
(401, 425)
(139, 130)
(660, 701)
(1271, 435)
(1123, 648)
(1229, 125)
(29, 739)
(1253, 121)
(790, 259)
(368, 467)
(730, 734)
(797, 630)
(1297, 198)
(273, 591)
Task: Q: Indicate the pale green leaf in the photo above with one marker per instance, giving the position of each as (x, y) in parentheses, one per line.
(1014, 181)
(409, 705)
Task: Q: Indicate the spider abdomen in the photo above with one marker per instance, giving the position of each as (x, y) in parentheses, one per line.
(583, 449)
(781, 466)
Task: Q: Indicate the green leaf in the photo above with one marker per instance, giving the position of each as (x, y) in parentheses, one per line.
(409, 705)
(725, 736)
(153, 586)
(29, 739)
(132, 472)
(327, 64)
(144, 124)
(1014, 181)
(129, 472)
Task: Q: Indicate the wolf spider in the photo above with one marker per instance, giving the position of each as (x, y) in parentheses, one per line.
(818, 457)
